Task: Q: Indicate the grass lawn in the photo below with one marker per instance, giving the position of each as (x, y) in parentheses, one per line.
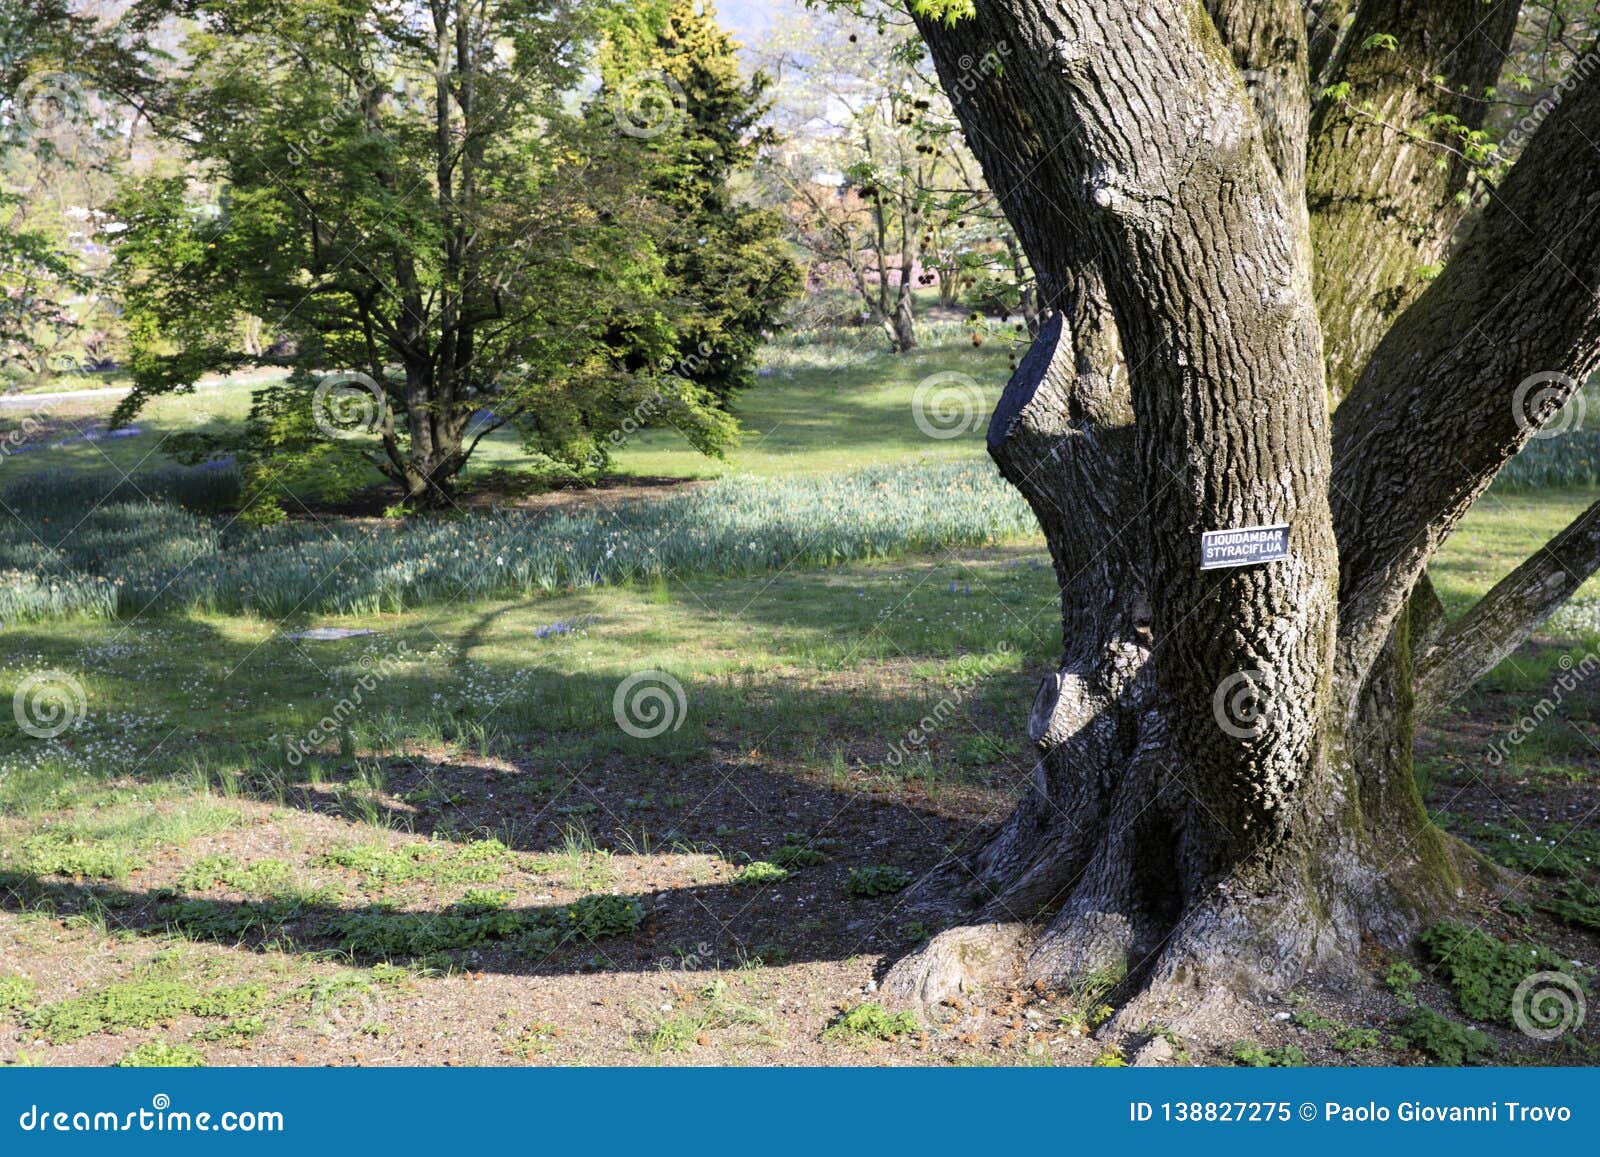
(835, 407)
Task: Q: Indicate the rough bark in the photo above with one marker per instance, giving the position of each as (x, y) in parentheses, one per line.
(1384, 185)
(1446, 399)
(1223, 800)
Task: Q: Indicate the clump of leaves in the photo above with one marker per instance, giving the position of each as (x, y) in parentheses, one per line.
(53, 853)
(478, 862)
(1402, 980)
(712, 1007)
(1353, 1040)
(870, 1021)
(879, 880)
(139, 1004)
(1483, 972)
(800, 850)
(1252, 1055)
(1446, 1041)
(16, 993)
(264, 877)
(761, 872)
(1111, 1058)
(1316, 1022)
(158, 1054)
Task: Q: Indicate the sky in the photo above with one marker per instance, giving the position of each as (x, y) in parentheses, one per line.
(747, 18)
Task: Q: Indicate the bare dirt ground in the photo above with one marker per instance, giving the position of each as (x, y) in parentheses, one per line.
(720, 971)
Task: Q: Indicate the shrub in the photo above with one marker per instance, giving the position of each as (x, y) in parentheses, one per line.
(870, 1022)
(878, 880)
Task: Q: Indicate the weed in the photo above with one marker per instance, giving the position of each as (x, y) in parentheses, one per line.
(161, 1055)
(709, 1009)
(870, 1021)
(1444, 1040)
(1402, 980)
(1316, 1022)
(1483, 972)
(1353, 1040)
(879, 880)
(264, 877)
(233, 1032)
(478, 862)
(139, 1004)
(16, 993)
(761, 872)
(1253, 1056)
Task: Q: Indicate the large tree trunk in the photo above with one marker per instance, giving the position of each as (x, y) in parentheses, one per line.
(1223, 801)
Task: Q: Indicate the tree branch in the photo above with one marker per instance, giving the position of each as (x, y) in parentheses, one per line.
(1435, 415)
(1499, 622)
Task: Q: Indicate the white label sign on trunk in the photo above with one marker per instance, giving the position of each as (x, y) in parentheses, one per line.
(1243, 547)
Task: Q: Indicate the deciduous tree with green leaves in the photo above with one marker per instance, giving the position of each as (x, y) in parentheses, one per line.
(436, 236)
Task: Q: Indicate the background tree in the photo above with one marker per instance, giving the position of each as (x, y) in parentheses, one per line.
(882, 191)
(1224, 802)
(404, 191)
(722, 253)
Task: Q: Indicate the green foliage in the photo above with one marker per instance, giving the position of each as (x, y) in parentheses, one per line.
(870, 1021)
(1251, 1055)
(800, 850)
(1483, 972)
(521, 278)
(161, 1055)
(710, 1008)
(1402, 979)
(878, 880)
(478, 862)
(263, 877)
(722, 254)
(139, 1004)
(1316, 1022)
(1569, 459)
(1357, 1039)
(16, 993)
(125, 560)
(1446, 1041)
(760, 872)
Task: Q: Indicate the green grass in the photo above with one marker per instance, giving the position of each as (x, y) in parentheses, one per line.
(139, 557)
(212, 701)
